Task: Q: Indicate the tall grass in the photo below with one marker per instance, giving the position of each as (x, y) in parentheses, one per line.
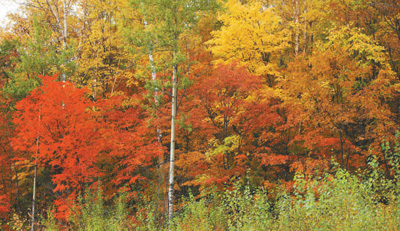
(339, 202)
(91, 213)
(336, 202)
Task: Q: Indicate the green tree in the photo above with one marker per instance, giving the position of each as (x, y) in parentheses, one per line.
(166, 22)
(38, 56)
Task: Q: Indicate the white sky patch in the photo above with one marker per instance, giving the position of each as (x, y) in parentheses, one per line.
(8, 6)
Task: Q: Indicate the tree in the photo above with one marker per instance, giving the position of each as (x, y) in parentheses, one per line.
(56, 135)
(306, 20)
(102, 57)
(168, 20)
(227, 111)
(343, 90)
(37, 55)
(9, 181)
(55, 14)
(251, 34)
(77, 139)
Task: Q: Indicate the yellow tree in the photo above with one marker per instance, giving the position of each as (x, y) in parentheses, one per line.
(304, 19)
(92, 33)
(252, 34)
(342, 91)
(103, 59)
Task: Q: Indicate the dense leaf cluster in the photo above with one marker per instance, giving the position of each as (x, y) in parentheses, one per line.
(234, 96)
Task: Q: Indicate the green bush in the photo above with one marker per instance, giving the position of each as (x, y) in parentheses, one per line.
(334, 202)
(339, 202)
(90, 214)
(199, 215)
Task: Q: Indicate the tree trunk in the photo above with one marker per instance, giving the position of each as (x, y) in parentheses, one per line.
(305, 28)
(342, 149)
(172, 148)
(34, 182)
(64, 35)
(159, 134)
(34, 197)
(297, 33)
(173, 117)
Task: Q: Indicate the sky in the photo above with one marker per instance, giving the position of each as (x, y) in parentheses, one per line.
(7, 6)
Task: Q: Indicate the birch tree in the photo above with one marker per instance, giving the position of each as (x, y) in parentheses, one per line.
(166, 21)
(56, 14)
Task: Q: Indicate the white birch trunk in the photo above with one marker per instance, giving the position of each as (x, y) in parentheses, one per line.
(305, 27)
(34, 182)
(153, 70)
(34, 197)
(159, 134)
(64, 35)
(172, 148)
(173, 117)
(297, 35)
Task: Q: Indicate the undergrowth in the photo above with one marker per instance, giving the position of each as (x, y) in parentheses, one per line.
(335, 202)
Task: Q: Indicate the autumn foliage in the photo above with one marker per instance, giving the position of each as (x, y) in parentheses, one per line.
(265, 91)
(75, 138)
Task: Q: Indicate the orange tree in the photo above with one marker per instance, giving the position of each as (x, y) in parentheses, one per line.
(341, 93)
(78, 142)
(227, 114)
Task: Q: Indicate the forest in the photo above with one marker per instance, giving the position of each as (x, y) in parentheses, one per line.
(200, 115)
